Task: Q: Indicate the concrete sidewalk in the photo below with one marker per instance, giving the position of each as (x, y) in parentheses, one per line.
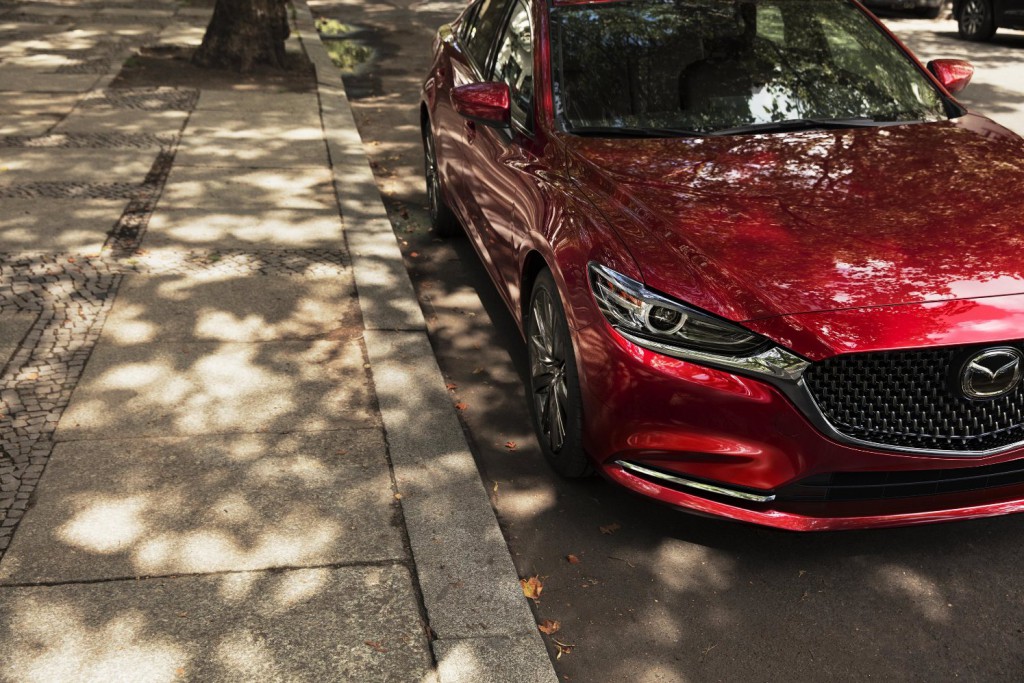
(226, 451)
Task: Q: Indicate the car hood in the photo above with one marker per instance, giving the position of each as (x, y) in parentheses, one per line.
(756, 226)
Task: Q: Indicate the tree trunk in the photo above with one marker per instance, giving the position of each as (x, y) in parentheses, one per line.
(243, 34)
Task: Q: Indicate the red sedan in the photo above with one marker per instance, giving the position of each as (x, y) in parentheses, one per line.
(766, 266)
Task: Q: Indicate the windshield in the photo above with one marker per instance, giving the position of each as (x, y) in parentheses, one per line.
(711, 65)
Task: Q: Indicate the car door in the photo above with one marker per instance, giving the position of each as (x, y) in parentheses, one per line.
(1012, 14)
(467, 52)
(497, 157)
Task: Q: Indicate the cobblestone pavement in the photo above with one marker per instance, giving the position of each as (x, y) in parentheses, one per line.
(70, 294)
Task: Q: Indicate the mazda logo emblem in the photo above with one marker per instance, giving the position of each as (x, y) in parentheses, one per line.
(991, 373)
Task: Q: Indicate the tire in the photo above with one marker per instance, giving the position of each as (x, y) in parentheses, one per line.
(976, 20)
(554, 388)
(442, 221)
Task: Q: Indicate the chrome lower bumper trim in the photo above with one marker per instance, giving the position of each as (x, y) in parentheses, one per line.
(700, 486)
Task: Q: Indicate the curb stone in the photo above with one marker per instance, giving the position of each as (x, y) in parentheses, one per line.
(484, 627)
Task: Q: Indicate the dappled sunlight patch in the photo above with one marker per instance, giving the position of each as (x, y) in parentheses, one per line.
(923, 593)
(687, 566)
(247, 657)
(280, 228)
(107, 525)
(57, 642)
(130, 328)
(299, 188)
(529, 502)
(236, 587)
(297, 587)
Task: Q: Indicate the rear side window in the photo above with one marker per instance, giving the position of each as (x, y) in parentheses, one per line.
(481, 29)
(514, 64)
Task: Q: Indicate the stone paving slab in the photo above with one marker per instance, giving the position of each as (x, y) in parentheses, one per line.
(302, 188)
(100, 119)
(172, 389)
(259, 149)
(38, 124)
(241, 100)
(72, 225)
(37, 103)
(169, 308)
(58, 165)
(245, 229)
(185, 35)
(254, 124)
(303, 625)
(498, 659)
(21, 79)
(154, 507)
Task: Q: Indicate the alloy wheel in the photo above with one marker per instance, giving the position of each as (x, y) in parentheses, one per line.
(976, 20)
(548, 371)
(433, 178)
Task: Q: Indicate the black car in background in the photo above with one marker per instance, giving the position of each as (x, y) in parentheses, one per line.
(925, 8)
(979, 19)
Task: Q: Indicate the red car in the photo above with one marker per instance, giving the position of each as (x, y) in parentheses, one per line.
(766, 266)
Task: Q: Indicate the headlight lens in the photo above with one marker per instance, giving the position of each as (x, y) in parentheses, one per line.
(631, 307)
(661, 324)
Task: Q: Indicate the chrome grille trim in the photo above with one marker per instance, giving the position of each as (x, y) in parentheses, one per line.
(698, 485)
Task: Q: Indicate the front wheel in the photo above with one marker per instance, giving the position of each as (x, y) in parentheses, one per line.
(442, 220)
(554, 382)
(976, 21)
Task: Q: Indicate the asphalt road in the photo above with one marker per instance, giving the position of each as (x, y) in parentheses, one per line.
(658, 595)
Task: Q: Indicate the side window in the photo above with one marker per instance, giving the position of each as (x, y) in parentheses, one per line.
(514, 63)
(481, 28)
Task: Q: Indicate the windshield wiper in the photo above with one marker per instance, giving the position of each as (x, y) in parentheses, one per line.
(806, 124)
(612, 131)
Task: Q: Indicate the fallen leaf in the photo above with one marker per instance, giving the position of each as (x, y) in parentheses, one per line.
(414, 254)
(180, 671)
(610, 528)
(549, 626)
(511, 445)
(477, 371)
(375, 645)
(451, 386)
(563, 648)
(404, 213)
(461, 406)
(398, 496)
(572, 559)
(532, 587)
(341, 451)
(495, 487)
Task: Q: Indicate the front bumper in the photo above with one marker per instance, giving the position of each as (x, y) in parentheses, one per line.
(744, 435)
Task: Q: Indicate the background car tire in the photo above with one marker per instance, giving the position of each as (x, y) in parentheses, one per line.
(976, 20)
(442, 220)
(554, 388)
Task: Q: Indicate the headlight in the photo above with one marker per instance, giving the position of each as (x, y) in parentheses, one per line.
(661, 324)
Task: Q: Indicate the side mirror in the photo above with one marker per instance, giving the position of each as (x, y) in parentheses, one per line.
(486, 103)
(953, 74)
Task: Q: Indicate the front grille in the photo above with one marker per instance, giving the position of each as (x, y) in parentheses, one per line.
(852, 486)
(911, 399)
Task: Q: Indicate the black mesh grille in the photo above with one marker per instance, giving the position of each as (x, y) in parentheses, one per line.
(911, 399)
(852, 486)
